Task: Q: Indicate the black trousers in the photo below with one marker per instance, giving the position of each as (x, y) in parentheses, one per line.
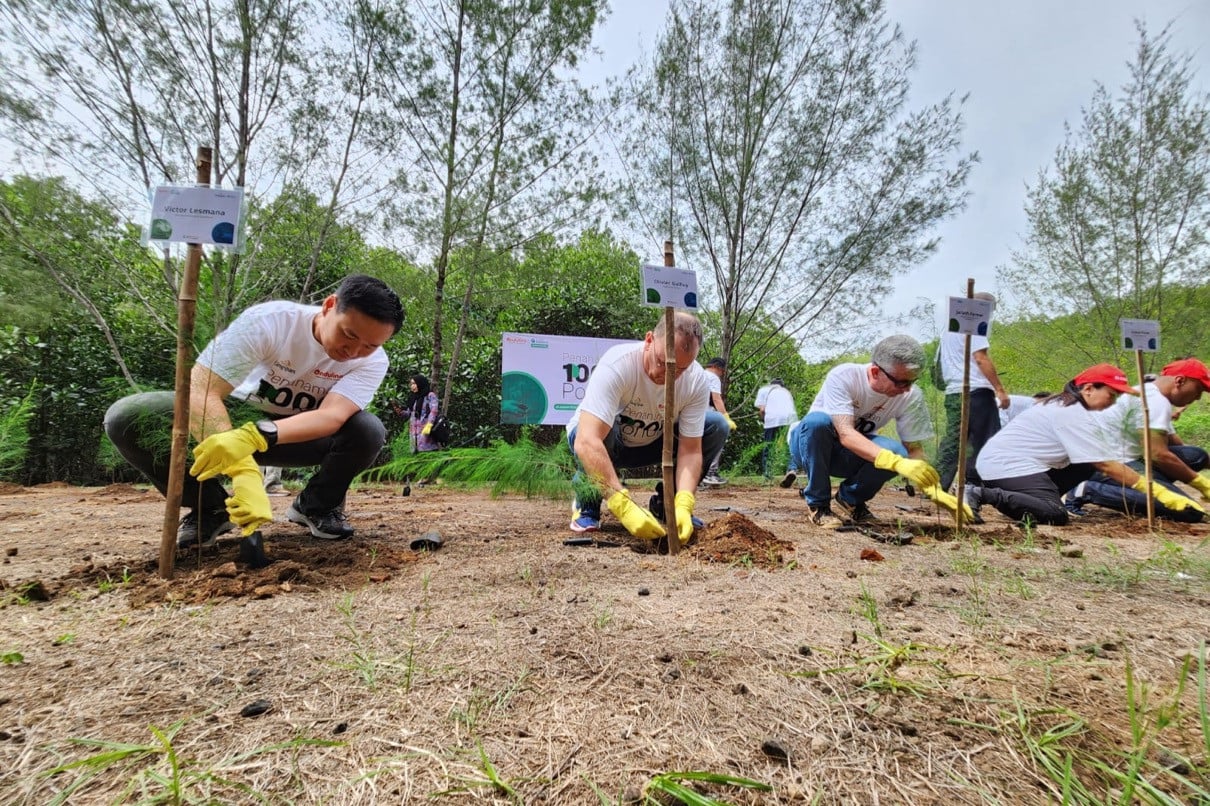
(1037, 497)
(983, 422)
(140, 427)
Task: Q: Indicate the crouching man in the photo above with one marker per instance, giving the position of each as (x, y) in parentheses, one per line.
(620, 423)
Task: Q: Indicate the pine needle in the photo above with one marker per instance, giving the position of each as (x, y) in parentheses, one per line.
(522, 467)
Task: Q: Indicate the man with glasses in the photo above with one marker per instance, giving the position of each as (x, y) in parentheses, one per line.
(839, 436)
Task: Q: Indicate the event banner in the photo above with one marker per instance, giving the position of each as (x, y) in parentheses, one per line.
(543, 377)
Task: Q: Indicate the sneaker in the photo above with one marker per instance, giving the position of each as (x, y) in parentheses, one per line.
(586, 519)
(822, 516)
(275, 489)
(787, 481)
(655, 504)
(1074, 501)
(330, 525)
(214, 524)
(853, 513)
(713, 480)
(973, 496)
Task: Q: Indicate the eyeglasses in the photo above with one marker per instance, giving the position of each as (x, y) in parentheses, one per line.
(900, 383)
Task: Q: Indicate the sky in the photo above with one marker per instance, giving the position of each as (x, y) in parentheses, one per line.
(1029, 66)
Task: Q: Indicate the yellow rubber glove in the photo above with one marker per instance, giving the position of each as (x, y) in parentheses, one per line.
(1173, 501)
(217, 452)
(946, 501)
(248, 507)
(684, 515)
(917, 471)
(428, 429)
(1202, 485)
(731, 423)
(638, 521)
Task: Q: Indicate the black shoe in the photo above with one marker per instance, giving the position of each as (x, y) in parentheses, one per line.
(787, 481)
(973, 496)
(213, 524)
(853, 513)
(330, 525)
(656, 503)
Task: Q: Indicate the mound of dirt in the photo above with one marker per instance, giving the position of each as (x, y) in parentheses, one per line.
(734, 539)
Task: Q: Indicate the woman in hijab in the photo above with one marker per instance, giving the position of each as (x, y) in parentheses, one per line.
(422, 411)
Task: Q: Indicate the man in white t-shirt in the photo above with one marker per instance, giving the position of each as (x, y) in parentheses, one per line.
(987, 398)
(777, 410)
(1179, 384)
(838, 436)
(715, 369)
(620, 423)
(310, 371)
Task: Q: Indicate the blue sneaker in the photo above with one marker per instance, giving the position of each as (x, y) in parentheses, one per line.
(586, 519)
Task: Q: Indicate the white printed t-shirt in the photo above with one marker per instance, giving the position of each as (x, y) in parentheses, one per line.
(1017, 404)
(716, 386)
(779, 407)
(846, 390)
(1122, 423)
(1047, 436)
(952, 347)
(271, 357)
(620, 391)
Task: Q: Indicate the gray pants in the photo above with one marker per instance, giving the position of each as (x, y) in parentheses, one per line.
(140, 427)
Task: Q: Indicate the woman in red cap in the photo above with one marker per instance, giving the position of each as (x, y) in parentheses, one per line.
(1047, 450)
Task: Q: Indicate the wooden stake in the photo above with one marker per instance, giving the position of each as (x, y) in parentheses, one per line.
(667, 464)
(185, 317)
(966, 413)
(1147, 471)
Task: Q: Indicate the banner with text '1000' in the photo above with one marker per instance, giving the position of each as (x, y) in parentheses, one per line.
(543, 377)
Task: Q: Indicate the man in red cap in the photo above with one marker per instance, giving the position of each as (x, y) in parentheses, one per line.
(1179, 384)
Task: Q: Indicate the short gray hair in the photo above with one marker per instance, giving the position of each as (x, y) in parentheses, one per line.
(686, 328)
(898, 350)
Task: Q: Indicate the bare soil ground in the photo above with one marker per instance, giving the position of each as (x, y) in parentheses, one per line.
(507, 667)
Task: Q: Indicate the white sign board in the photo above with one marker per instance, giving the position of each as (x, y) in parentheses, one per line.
(665, 286)
(973, 316)
(543, 377)
(196, 215)
(1140, 334)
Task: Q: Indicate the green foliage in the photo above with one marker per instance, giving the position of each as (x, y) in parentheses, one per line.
(522, 467)
(673, 785)
(14, 433)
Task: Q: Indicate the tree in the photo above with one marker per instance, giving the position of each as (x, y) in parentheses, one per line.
(1118, 224)
(499, 127)
(783, 155)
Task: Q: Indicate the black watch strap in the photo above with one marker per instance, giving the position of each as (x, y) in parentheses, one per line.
(268, 430)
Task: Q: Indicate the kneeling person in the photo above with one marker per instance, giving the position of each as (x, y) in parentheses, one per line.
(1178, 385)
(838, 436)
(620, 423)
(311, 370)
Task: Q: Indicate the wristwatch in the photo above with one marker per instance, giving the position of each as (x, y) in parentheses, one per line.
(268, 430)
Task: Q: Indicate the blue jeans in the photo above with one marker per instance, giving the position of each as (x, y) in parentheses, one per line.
(588, 498)
(1104, 491)
(816, 449)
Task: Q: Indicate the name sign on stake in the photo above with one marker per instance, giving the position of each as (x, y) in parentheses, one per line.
(668, 286)
(971, 316)
(197, 215)
(1140, 334)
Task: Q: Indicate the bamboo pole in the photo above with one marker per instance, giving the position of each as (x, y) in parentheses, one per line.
(667, 464)
(1147, 470)
(185, 317)
(966, 414)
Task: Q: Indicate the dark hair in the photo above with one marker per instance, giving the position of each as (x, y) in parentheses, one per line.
(416, 401)
(372, 297)
(1069, 395)
(718, 361)
(1041, 395)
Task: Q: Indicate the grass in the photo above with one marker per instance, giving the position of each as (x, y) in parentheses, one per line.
(1170, 562)
(156, 772)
